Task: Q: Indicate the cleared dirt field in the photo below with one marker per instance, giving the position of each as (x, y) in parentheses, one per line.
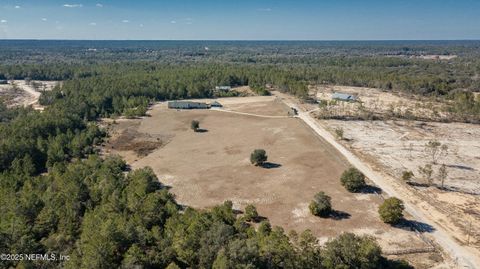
(21, 93)
(204, 169)
(397, 146)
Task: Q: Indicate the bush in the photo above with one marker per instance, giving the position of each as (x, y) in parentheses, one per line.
(339, 133)
(251, 213)
(353, 180)
(352, 251)
(258, 157)
(195, 125)
(407, 175)
(391, 211)
(321, 205)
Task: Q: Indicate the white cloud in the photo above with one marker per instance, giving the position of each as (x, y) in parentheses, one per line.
(93, 24)
(73, 5)
(99, 5)
(125, 21)
(141, 25)
(17, 7)
(173, 22)
(3, 21)
(44, 19)
(264, 9)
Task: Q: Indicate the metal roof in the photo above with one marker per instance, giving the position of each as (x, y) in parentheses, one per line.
(344, 96)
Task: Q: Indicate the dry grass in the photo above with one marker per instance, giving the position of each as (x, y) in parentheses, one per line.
(205, 169)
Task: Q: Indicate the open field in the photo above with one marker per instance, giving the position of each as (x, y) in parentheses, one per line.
(397, 146)
(21, 93)
(205, 169)
(456, 210)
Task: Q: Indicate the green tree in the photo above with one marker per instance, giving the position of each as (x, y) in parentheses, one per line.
(321, 205)
(258, 157)
(353, 180)
(391, 211)
(407, 176)
(195, 125)
(351, 251)
(251, 213)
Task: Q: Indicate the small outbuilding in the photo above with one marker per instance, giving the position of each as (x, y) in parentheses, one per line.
(223, 88)
(216, 104)
(344, 97)
(187, 105)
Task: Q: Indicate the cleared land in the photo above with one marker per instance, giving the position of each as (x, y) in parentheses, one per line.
(21, 93)
(391, 147)
(205, 169)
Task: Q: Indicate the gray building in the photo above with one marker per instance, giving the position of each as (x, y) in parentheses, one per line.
(223, 88)
(216, 104)
(344, 97)
(187, 105)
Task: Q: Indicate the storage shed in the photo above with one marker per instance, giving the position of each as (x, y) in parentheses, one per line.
(187, 105)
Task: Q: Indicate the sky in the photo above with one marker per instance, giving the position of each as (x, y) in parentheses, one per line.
(240, 19)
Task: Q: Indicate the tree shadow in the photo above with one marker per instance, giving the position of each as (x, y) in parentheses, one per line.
(259, 219)
(269, 165)
(201, 131)
(462, 167)
(339, 215)
(370, 189)
(413, 225)
(417, 184)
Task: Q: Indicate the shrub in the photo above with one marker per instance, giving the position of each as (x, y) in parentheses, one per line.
(321, 205)
(353, 180)
(195, 125)
(251, 213)
(407, 175)
(339, 133)
(258, 157)
(391, 211)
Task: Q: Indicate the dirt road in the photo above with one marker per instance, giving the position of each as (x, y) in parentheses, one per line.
(466, 258)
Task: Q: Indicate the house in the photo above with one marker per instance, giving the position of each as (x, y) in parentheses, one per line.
(187, 105)
(215, 104)
(3, 81)
(344, 97)
(223, 88)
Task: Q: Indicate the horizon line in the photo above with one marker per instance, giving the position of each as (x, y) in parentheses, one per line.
(236, 40)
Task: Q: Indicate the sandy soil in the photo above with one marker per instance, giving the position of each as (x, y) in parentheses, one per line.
(378, 102)
(205, 169)
(19, 93)
(397, 146)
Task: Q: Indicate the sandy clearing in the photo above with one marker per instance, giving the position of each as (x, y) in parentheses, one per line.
(467, 257)
(205, 169)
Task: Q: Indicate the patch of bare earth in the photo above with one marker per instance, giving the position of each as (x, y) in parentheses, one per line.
(397, 146)
(205, 169)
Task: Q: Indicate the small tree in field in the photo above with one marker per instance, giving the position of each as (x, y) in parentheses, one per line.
(258, 157)
(251, 213)
(195, 125)
(426, 171)
(339, 132)
(407, 175)
(321, 205)
(391, 211)
(442, 174)
(353, 180)
(436, 150)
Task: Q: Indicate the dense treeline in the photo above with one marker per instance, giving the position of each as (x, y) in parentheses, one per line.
(102, 217)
